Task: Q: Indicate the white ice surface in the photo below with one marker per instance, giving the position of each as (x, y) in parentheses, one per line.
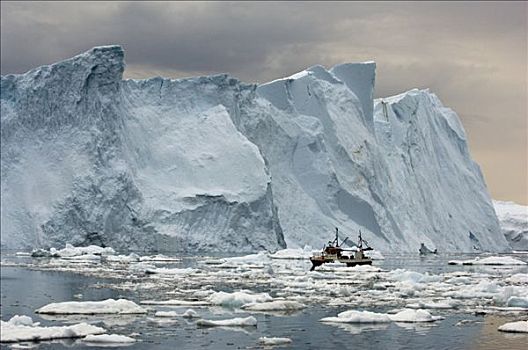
(411, 315)
(237, 299)
(108, 306)
(231, 322)
(515, 327)
(18, 330)
(513, 219)
(293, 253)
(176, 302)
(269, 341)
(108, 338)
(353, 316)
(492, 260)
(190, 313)
(275, 305)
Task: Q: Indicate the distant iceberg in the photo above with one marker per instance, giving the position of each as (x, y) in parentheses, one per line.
(513, 220)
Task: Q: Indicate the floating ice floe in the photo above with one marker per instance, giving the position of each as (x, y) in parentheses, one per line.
(492, 260)
(141, 267)
(70, 252)
(411, 315)
(515, 327)
(518, 278)
(190, 313)
(237, 299)
(108, 339)
(159, 258)
(108, 306)
(176, 302)
(375, 255)
(516, 301)
(353, 316)
(251, 261)
(231, 322)
(274, 341)
(413, 276)
(293, 253)
(91, 258)
(484, 289)
(22, 328)
(125, 259)
(444, 304)
(22, 254)
(275, 305)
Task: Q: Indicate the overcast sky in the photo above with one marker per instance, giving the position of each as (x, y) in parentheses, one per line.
(472, 55)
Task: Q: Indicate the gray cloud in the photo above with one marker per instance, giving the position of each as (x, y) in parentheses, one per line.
(473, 55)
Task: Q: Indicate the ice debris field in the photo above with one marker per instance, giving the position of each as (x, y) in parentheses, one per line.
(230, 293)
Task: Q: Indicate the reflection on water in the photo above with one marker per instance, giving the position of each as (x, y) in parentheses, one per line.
(107, 320)
(361, 328)
(489, 338)
(419, 328)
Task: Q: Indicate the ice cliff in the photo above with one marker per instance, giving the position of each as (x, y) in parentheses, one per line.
(211, 163)
(513, 220)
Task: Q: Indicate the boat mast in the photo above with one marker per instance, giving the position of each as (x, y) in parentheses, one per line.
(360, 242)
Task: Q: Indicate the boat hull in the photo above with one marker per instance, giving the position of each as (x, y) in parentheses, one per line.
(320, 260)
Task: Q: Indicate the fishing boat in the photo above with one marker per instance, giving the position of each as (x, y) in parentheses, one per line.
(333, 252)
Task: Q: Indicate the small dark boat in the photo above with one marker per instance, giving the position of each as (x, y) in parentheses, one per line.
(333, 252)
(426, 251)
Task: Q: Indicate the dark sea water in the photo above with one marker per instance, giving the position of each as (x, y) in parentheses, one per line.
(23, 290)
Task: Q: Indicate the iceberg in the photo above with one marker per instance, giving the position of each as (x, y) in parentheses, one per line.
(513, 220)
(215, 164)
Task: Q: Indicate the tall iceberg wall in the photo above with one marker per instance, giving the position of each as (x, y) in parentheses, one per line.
(211, 163)
(150, 165)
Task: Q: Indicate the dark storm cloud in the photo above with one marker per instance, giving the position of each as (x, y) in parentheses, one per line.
(473, 55)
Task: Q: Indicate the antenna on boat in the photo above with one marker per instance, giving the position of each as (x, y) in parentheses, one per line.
(337, 237)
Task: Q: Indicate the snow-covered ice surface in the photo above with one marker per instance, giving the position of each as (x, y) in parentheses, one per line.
(214, 164)
(237, 299)
(109, 339)
(353, 316)
(515, 327)
(513, 219)
(410, 315)
(275, 305)
(492, 260)
(22, 328)
(109, 306)
(274, 341)
(230, 322)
